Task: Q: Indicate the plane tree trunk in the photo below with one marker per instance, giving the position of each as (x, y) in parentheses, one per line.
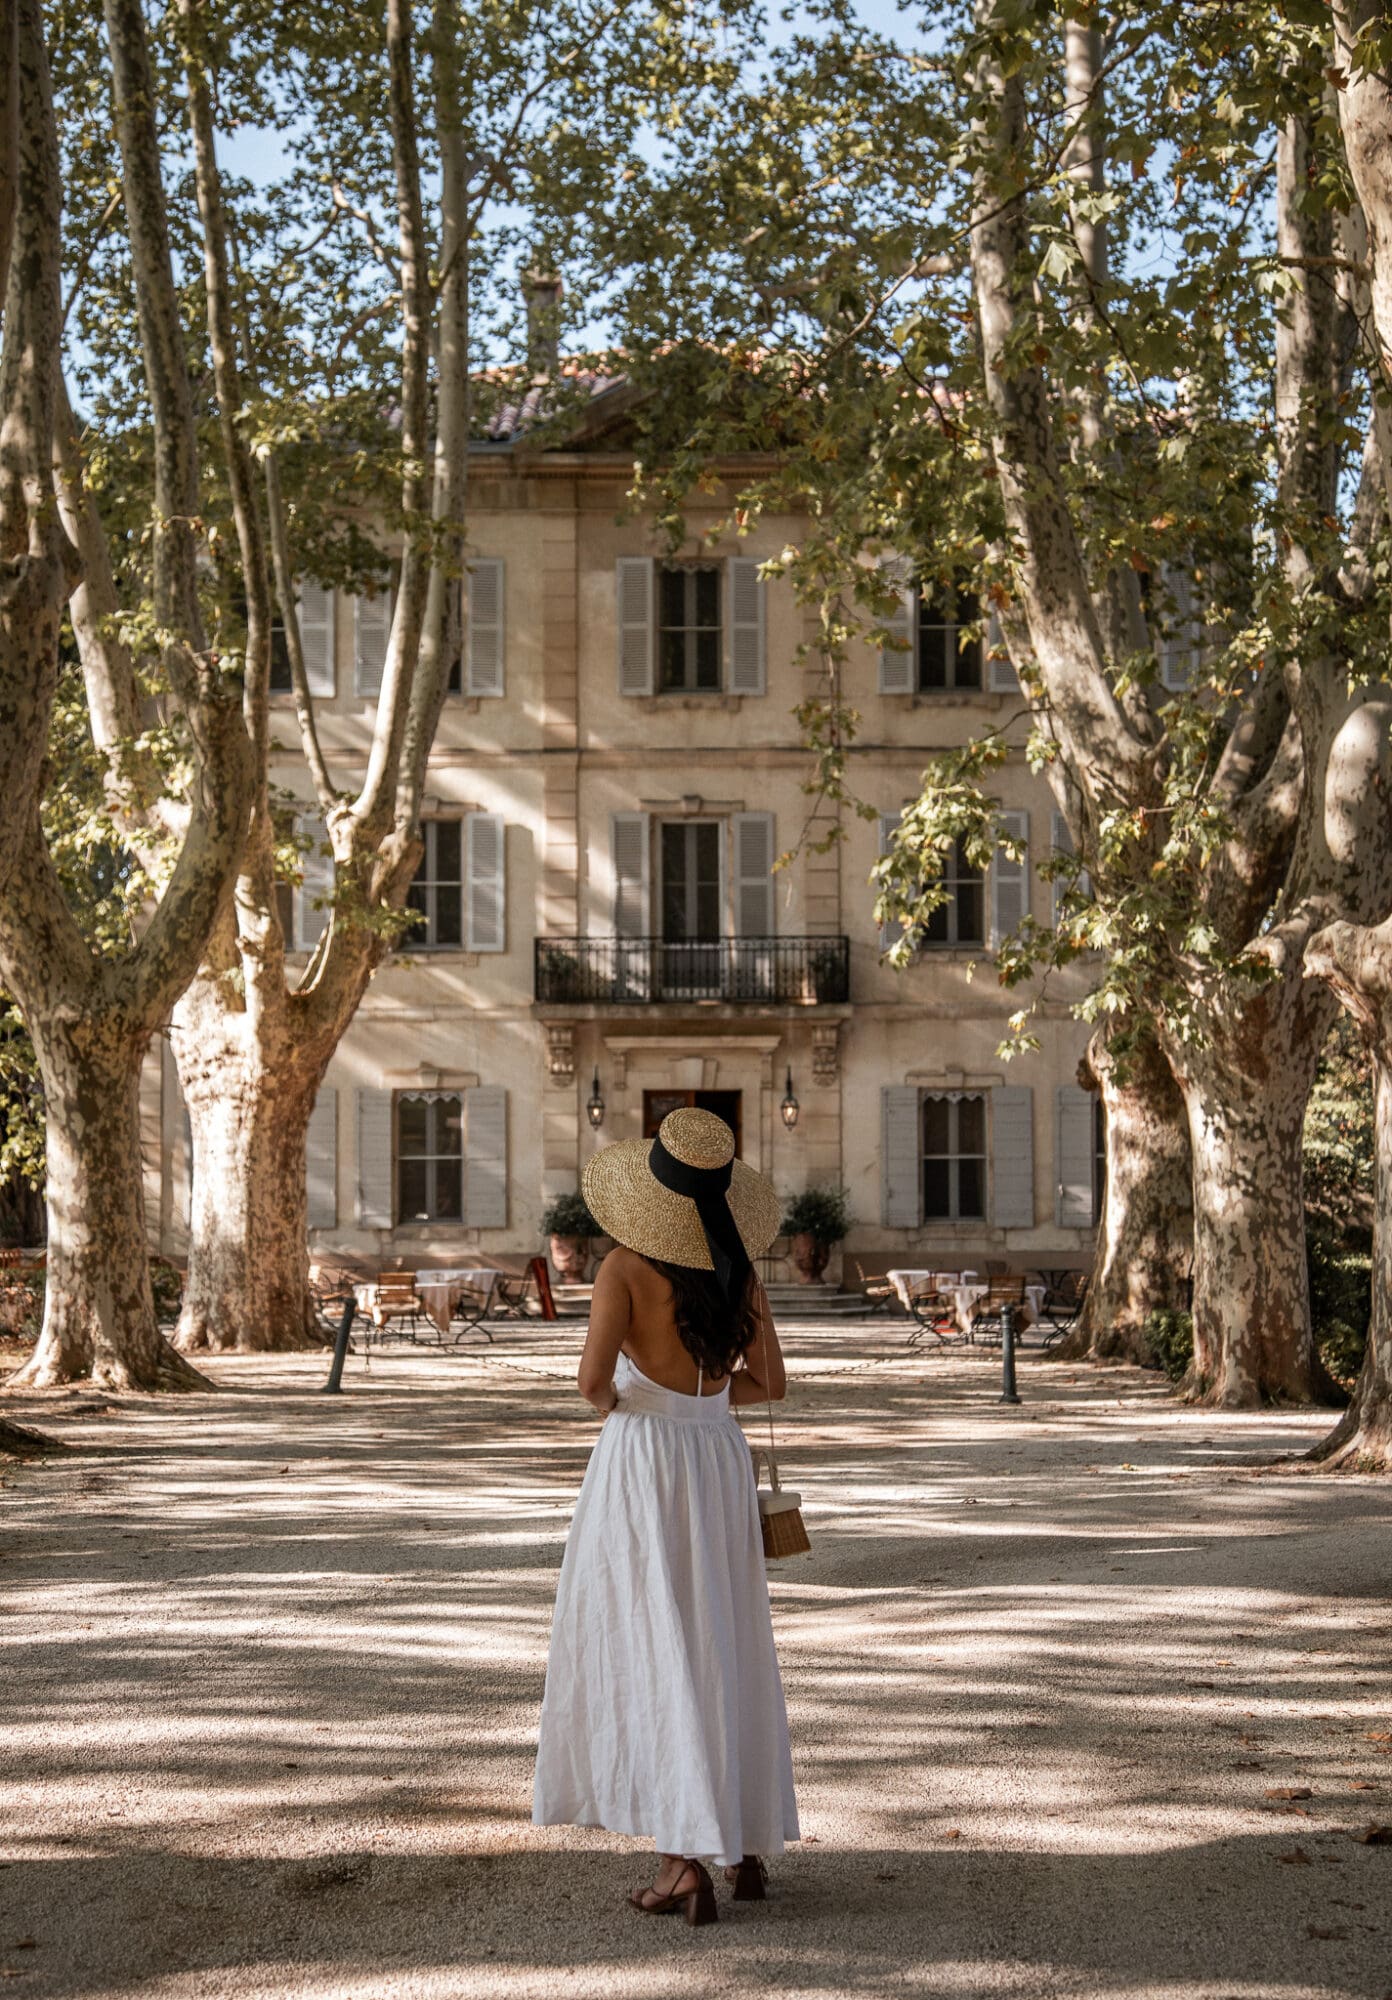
(1356, 963)
(1145, 1242)
(247, 1287)
(92, 1012)
(1246, 1086)
(99, 1310)
(251, 1047)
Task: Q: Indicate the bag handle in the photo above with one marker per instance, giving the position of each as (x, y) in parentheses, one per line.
(764, 1315)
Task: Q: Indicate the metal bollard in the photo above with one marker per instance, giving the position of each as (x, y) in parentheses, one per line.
(1009, 1393)
(334, 1385)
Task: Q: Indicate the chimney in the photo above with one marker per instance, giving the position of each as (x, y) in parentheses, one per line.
(543, 291)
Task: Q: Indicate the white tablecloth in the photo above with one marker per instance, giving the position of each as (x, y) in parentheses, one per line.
(441, 1291)
(962, 1287)
(966, 1298)
(438, 1291)
(907, 1282)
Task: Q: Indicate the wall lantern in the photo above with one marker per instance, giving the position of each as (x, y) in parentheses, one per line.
(594, 1109)
(790, 1106)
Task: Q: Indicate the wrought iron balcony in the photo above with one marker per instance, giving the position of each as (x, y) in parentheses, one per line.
(743, 971)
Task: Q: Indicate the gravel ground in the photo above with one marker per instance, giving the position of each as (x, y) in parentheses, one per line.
(273, 1661)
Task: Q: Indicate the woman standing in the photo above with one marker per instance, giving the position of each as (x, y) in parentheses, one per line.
(663, 1713)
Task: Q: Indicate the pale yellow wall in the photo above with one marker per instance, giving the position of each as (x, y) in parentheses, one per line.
(560, 753)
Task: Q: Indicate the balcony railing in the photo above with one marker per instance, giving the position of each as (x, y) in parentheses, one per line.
(744, 971)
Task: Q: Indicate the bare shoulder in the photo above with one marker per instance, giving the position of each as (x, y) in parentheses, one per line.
(620, 1270)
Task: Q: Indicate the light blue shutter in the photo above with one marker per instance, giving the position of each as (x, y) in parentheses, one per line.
(1062, 844)
(633, 600)
(372, 617)
(485, 881)
(1179, 645)
(321, 1159)
(890, 933)
(485, 1158)
(1012, 1157)
(314, 895)
(901, 1164)
(314, 612)
(898, 666)
(1009, 880)
(375, 1159)
(629, 847)
(1074, 1110)
(745, 594)
(484, 649)
(1001, 677)
(752, 838)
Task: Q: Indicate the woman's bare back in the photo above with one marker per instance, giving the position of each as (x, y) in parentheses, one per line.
(652, 1340)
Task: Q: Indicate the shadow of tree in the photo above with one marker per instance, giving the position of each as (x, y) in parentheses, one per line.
(271, 1663)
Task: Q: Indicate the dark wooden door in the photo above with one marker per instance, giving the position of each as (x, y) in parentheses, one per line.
(724, 1103)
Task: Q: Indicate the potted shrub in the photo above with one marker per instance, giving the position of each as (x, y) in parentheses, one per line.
(568, 1225)
(815, 1220)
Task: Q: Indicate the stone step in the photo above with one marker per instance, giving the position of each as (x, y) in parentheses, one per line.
(816, 1302)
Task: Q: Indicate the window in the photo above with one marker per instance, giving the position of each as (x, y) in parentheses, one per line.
(962, 918)
(438, 890)
(954, 1159)
(479, 667)
(430, 1158)
(947, 657)
(688, 628)
(314, 611)
(691, 886)
(1099, 1157)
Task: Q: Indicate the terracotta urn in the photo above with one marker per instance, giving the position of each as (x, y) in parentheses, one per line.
(810, 1258)
(571, 1257)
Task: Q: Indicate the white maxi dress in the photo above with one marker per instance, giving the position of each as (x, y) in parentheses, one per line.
(663, 1714)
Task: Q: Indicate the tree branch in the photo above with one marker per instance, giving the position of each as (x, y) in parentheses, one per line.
(324, 787)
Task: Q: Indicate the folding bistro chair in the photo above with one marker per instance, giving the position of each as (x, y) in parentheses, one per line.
(1003, 1295)
(1062, 1303)
(935, 1312)
(396, 1306)
(514, 1297)
(472, 1309)
(879, 1293)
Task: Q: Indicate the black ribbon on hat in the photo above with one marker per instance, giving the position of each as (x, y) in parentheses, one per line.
(707, 1187)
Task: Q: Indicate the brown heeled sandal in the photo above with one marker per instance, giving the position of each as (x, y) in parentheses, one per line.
(748, 1880)
(698, 1904)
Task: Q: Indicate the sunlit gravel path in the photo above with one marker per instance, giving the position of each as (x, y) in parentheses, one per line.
(272, 1662)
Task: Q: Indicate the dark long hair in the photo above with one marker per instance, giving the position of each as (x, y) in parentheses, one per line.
(712, 1335)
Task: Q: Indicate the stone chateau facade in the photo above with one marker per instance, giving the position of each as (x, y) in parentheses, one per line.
(610, 786)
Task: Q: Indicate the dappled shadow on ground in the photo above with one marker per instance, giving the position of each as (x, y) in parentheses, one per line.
(271, 1664)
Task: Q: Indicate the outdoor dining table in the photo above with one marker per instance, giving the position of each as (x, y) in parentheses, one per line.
(907, 1282)
(966, 1298)
(964, 1288)
(441, 1291)
(438, 1291)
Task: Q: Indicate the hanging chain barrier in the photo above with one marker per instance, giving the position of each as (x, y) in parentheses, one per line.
(490, 1358)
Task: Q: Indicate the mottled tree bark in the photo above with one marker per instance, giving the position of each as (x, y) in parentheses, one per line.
(99, 1312)
(1301, 781)
(248, 1280)
(1246, 1099)
(36, 562)
(1145, 1246)
(1356, 963)
(252, 1048)
(92, 1013)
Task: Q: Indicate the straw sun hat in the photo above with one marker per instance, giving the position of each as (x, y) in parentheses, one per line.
(632, 1192)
